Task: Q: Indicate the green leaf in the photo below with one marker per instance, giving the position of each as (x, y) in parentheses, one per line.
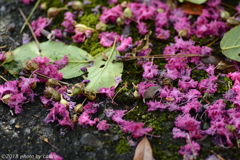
(103, 72)
(197, 1)
(194, 1)
(77, 57)
(230, 44)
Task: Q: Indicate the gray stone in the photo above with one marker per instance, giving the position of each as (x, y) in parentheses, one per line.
(91, 154)
(206, 125)
(90, 140)
(115, 138)
(101, 116)
(27, 131)
(12, 121)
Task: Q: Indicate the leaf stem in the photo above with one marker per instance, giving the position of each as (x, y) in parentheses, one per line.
(217, 155)
(213, 42)
(3, 78)
(78, 61)
(30, 15)
(227, 5)
(30, 27)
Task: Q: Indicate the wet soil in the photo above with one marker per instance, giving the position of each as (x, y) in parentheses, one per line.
(21, 136)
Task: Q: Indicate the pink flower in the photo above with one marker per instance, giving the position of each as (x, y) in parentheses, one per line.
(234, 76)
(15, 102)
(187, 82)
(112, 2)
(135, 128)
(27, 83)
(156, 105)
(58, 33)
(111, 15)
(162, 34)
(150, 70)
(109, 92)
(27, 2)
(143, 86)
(69, 22)
(79, 37)
(187, 122)
(117, 116)
(61, 63)
(142, 27)
(213, 3)
(91, 107)
(107, 39)
(124, 43)
(187, 149)
(54, 156)
(41, 23)
(59, 109)
(84, 119)
(102, 125)
(207, 85)
(194, 104)
(177, 133)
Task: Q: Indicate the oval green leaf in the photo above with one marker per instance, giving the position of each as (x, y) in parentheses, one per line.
(77, 58)
(230, 44)
(103, 72)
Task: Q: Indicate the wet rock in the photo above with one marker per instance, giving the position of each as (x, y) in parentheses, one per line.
(27, 131)
(95, 132)
(91, 154)
(3, 9)
(90, 140)
(12, 121)
(101, 116)
(115, 138)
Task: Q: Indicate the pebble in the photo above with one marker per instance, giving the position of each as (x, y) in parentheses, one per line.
(27, 131)
(115, 138)
(101, 116)
(91, 154)
(3, 9)
(90, 140)
(12, 121)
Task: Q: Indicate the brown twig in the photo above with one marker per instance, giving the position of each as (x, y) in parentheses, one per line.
(227, 5)
(3, 46)
(164, 56)
(213, 42)
(3, 78)
(30, 27)
(217, 155)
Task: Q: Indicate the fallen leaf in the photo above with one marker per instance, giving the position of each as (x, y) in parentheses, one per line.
(103, 72)
(230, 44)
(222, 66)
(151, 91)
(77, 58)
(193, 9)
(143, 150)
(144, 43)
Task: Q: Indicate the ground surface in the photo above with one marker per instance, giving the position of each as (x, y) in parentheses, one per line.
(82, 143)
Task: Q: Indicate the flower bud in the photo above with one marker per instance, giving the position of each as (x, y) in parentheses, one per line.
(91, 95)
(82, 28)
(101, 26)
(64, 102)
(52, 82)
(127, 13)
(231, 22)
(77, 5)
(49, 91)
(75, 119)
(9, 57)
(6, 98)
(53, 11)
(34, 85)
(56, 96)
(160, 10)
(231, 128)
(137, 95)
(77, 89)
(120, 21)
(124, 4)
(183, 33)
(31, 65)
(224, 14)
(43, 6)
(78, 108)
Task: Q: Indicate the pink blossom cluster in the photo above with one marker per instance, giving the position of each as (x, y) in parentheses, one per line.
(84, 118)
(54, 156)
(69, 22)
(48, 69)
(130, 126)
(59, 110)
(27, 2)
(39, 24)
(15, 93)
(109, 92)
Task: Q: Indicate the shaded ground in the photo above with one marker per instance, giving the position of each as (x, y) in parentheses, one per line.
(82, 143)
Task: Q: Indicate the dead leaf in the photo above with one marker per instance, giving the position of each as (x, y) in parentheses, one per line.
(193, 9)
(143, 150)
(151, 91)
(144, 43)
(222, 66)
(104, 56)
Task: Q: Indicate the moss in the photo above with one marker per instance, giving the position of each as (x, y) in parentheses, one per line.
(89, 149)
(90, 20)
(123, 146)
